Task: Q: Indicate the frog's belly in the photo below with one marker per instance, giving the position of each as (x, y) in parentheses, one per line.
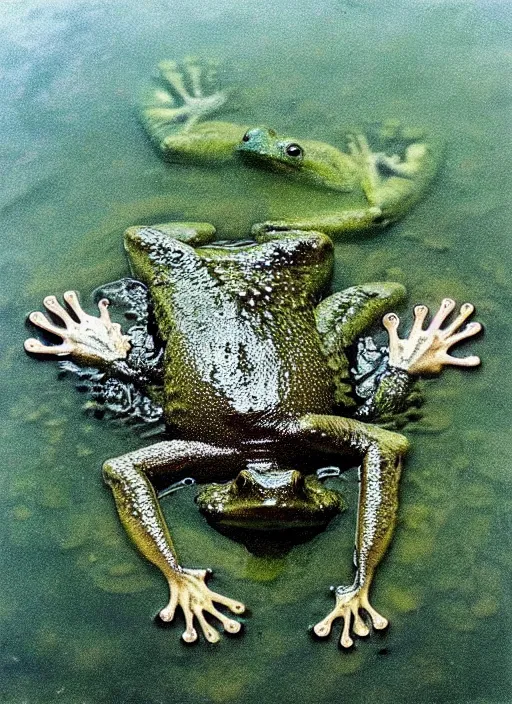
(235, 383)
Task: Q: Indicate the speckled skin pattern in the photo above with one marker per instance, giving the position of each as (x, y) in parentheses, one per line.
(253, 377)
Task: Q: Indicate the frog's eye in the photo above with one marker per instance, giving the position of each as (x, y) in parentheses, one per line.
(246, 137)
(294, 150)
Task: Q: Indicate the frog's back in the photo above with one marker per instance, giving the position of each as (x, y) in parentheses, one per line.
(242, 349)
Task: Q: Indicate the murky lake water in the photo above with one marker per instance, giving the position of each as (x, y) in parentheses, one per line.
(76, 602)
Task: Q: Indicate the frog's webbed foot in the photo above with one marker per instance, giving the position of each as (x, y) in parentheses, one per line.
(426, 351)
(409, 167)
(349, 601)
(189, 591)
(182, 100)
(390, 181)
(95, 341)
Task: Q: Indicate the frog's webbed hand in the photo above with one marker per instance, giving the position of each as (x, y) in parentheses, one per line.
(390, 393)
(180, 102)
(381, 453)
(391, 183)
(426, 351)
(89, 340)
(140, 513)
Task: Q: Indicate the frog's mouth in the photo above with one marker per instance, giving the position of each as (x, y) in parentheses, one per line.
(269, 501)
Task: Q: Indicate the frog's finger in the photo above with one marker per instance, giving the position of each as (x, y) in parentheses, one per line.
(229, 624)
(210, 633)
(71, 299)
(103, 305)
(471, 361)
(189, 635)
(466, 310)
(360, 628)
(345, 639)
(52, 304)
(446, 307)
(420, 313)
(391, 321)
(469, 331)
(379, 622)
(167, 613)
(235, 606)
(36, 347)
(194, 74)
(323, 627)
(42, 322)
(170, 72)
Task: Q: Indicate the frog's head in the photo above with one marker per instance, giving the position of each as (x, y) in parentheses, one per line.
(266, 146)
(314, 162)
(270, 500)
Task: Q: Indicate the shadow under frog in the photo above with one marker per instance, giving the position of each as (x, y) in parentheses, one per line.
(387, 185)
(252, 375)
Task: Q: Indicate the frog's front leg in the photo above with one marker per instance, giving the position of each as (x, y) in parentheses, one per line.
(381, 453)
(404, 181)
(172, 111)
(423, 352)
(129, 478)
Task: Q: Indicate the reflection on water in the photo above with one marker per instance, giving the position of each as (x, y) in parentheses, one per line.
(77, 602)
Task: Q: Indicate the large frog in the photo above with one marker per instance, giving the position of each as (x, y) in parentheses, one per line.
(388, 184)
(250, 368)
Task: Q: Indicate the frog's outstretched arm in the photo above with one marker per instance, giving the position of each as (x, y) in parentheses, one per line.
(129, 478)
(381, 453)
(424, 352)
(171, 114)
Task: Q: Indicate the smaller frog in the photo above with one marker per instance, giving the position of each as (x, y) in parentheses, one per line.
(247, 358)
(387, 184)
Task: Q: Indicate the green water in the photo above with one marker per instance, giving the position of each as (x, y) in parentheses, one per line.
(76, 602)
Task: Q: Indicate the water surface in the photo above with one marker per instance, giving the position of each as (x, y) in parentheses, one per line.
(77, 603)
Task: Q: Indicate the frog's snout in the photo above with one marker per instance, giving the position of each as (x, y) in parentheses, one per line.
(251, 484)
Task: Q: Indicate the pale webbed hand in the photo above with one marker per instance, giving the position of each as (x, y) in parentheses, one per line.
(426, 351)
(90, 340)
(188, 590)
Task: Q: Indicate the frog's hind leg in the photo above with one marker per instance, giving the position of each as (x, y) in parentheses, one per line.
(129, 477)
(180, 101)
(391, 183)
(381, 454)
